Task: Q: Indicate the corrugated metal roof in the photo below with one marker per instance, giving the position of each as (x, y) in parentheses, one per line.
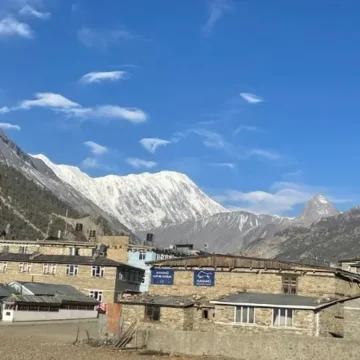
(62, 259)
(57, 299)
(282, 300)
(5, 290)
(38, 288)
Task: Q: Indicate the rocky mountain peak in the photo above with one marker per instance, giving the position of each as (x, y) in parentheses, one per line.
(315, 209)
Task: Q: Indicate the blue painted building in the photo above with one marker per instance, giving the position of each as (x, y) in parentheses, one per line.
(139, 255)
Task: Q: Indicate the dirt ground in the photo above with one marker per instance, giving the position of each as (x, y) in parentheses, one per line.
(54, 342)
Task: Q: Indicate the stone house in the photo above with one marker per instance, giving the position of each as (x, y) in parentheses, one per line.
(234, 293)
(96, 276)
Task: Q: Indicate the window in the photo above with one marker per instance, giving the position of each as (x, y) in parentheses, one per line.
(205, 314)
(289, 284)
(152, 313)
(49, 269)
(72, 270)
(282, 317)
(96, 294)
(97, 271)
(245, 315)
(23, 249)
(3, 267)
(25, 267)
(142, 255)
(6, 248)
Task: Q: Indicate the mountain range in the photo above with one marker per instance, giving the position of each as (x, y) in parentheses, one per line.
(38, 198)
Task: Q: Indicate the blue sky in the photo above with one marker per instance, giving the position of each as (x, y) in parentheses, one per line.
(256, 101)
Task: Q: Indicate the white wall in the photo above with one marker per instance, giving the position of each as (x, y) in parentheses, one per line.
(62, 314)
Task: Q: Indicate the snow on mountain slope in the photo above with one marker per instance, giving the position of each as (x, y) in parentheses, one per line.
(143, 201)
(317, 208)
(222, 232)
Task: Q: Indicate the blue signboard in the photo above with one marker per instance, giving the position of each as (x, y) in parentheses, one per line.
(204, 278)
(162, 276)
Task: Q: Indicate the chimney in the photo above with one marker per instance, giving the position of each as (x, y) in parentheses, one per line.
(150, 239)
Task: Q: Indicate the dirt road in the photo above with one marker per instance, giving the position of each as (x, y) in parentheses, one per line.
(54, 342)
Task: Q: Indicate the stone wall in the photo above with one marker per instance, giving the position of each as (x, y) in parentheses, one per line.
(352, 319)
(331, 320)
(84, 281)
(346, 288)
(118, 247)
(247, 346)
(170, 318)
(303, 322)
(311, 284)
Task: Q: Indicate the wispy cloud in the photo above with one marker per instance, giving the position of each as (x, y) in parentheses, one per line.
(246, 128)
(280, 199)
(228, 165)
(4, 110)
(95, 148)
(267, 154)
(28, 10)
(102, 39)
(61, 104)
(10, 27)
(49, 100)
(99, 76)
(139, 163)
(251, 98)
(152, 144)
(7, 126)
(216, 11)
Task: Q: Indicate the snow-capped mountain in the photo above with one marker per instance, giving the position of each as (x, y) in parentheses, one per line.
(222, 232)
(317, 208)
(42, 176)
(143, 201)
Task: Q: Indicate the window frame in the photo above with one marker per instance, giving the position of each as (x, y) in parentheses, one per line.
(278, 312)
(49, 269)
(75, 272)
(94, 269)
(142, 255)
(3, 267)
(25, 267)
(100, 294)
(289, 284)
(154, 310)
(244, 320)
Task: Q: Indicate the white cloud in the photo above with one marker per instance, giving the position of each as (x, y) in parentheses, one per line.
(267, 154)
(228, 165)
(217, 9)
(280, 199)
(59, 103)
(139, 163)
(102, 38)
(9, 26)
(151, 144)
(49, 100)
(7, 126)
(97, 77)
(95, 148)
(90, 163)
(251, 98)
(27, 10)
(246, 128)
(4, 110)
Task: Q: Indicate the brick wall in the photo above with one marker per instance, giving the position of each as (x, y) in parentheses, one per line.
(83, 281)
(311, 284)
